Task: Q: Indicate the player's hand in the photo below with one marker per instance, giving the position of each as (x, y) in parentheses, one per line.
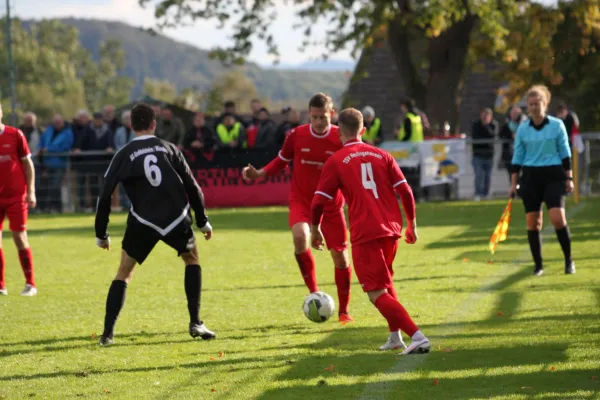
(411, 235)
(31, 200)
(103, 243)
(316, 238)
(512, 192)
(250, 173)
(570, 186)
(206, 230)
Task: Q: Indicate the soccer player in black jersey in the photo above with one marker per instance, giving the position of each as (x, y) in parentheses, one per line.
(162, 189)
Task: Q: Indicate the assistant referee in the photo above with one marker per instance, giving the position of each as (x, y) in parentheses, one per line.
(542, 154)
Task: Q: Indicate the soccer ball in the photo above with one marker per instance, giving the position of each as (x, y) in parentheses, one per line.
(318, 307)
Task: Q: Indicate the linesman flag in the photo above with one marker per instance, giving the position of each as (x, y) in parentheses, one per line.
(501, 232)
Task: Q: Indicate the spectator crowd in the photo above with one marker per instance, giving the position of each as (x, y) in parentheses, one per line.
(90, 139)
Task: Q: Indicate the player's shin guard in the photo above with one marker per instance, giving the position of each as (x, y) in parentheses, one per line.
(395, 314)
(114, 303)
(343, 277)
(306, 262)
(193, 288)
(2, 284)
(26, 259)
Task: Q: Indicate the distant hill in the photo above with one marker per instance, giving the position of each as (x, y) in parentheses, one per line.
(159, 57)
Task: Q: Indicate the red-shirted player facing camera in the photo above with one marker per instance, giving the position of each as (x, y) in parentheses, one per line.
(17, 192)
(308, 147)
(370, 178)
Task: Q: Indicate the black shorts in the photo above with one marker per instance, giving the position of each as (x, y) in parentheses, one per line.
(540, 186)
(139, 239)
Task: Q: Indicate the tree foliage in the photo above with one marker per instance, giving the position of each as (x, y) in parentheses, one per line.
(234, 86)
(432, 41)
(56, 74)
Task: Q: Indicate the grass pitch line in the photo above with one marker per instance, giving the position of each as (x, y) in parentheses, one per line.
(381, 390)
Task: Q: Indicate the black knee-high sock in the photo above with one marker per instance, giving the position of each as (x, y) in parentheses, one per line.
(535, 244)
(193, 287)
(114, 303)
(564, 237)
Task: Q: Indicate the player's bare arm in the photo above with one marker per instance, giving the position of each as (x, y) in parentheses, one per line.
(250, 173)
(29, 171)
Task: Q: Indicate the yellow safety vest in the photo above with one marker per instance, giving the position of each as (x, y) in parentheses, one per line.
(228, 136)
(371, 133)
(416, 127)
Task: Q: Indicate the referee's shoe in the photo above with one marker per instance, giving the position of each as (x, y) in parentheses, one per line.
(570, 267)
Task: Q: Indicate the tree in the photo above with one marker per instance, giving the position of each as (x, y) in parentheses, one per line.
(443, 28)
(232, 85)
(160, 89)
(559, 47)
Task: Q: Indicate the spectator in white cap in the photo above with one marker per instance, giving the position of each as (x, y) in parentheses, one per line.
(373, 133)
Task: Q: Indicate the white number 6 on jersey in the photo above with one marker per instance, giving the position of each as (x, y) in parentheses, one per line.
(152, 171)
(367, 178)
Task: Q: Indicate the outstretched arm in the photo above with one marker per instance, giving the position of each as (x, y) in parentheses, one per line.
(111, 179)
(278, 164)
(193, 190)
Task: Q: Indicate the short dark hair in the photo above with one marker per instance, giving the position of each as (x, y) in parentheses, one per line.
(321, 100)
(350, 120)
(142, 116)
(229, 104)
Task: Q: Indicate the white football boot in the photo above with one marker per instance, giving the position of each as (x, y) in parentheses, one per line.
(394, 342)
(29, 291)
(419, 345)
(4, 292)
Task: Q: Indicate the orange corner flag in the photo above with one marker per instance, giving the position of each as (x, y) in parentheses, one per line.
(501, 232)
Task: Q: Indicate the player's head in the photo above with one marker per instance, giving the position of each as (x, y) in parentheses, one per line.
(538, 98)
(320, 111)
(351, 124)
(143, 119)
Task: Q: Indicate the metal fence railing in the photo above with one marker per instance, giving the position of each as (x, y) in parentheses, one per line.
(75, 184)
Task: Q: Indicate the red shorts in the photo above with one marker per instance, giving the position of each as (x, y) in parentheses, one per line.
(373, 263)
(16, 211)
(333, 225)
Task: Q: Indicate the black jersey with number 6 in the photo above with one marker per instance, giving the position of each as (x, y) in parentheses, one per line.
(158, 182)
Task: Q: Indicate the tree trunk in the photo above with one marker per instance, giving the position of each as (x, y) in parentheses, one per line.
(399, 41)
(447, 58)
(446, 55)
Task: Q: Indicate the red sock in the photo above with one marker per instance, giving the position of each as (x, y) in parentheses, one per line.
(2, 269)
(395, 314)
(306, 262)
(27, 264)
(343, 276)
(392, 291)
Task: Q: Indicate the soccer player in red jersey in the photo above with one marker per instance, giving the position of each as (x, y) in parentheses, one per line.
(370, 178)
(308, 147)
(17, 192)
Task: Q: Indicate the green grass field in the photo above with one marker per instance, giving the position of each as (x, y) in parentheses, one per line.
(497, 332)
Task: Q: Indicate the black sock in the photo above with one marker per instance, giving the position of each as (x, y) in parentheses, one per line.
(114, 303)
(564, 237)
(193, 287)
(535, 244)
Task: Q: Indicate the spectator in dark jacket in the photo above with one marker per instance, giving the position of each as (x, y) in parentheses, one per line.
(96, 138)
(486, 129)
(110, 118)
(507, 134)
(265, 132)
(199, 139)
(291, 120)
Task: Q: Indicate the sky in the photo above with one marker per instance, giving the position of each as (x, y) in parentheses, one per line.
(201, 34)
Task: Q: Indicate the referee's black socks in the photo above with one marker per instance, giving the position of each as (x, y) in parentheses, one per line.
(193, 287)
(564, 238)
(114, 303)
(535, 244)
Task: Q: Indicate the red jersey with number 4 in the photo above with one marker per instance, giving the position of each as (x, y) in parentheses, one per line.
(367, 177)
(13, 149)
(308, 152)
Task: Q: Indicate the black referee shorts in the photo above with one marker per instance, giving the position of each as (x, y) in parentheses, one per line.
(543, 185)
(139, 239)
